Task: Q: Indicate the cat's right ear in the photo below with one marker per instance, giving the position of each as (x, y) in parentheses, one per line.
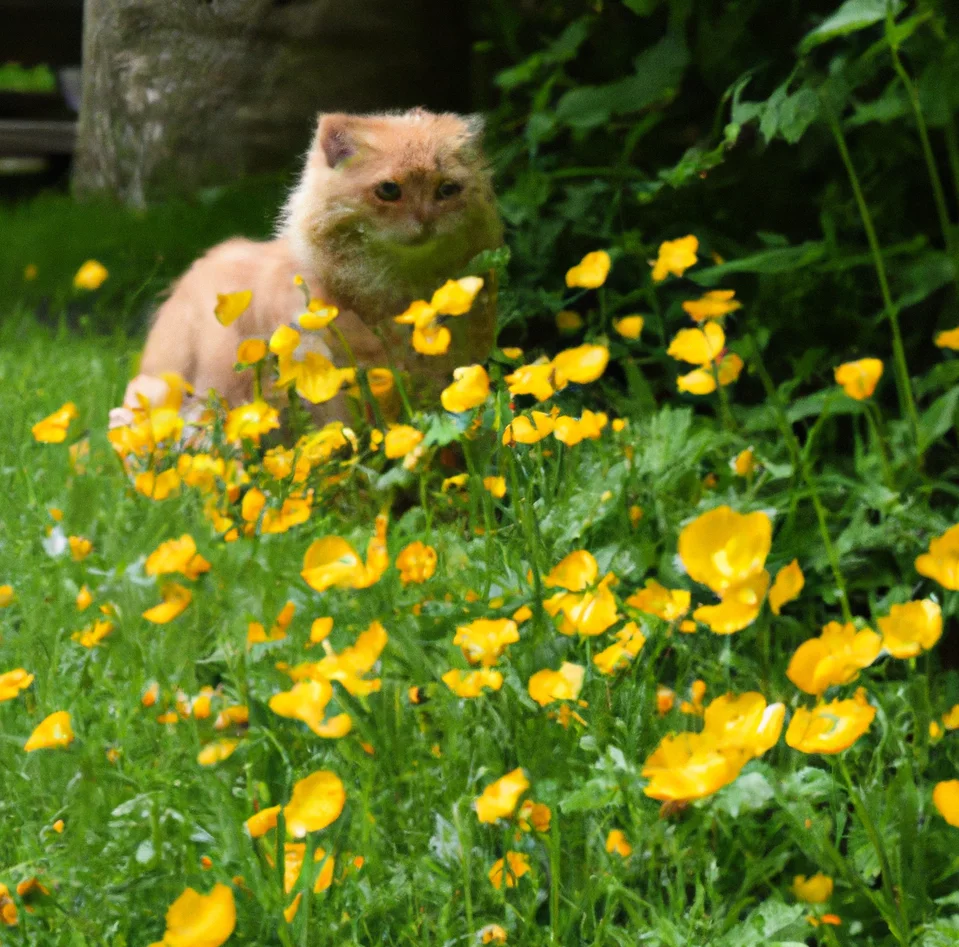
(334, 138)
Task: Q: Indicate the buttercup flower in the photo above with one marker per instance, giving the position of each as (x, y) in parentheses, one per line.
(675, 256)
(93, 634)
(590, 272)
(722, 548)
(580, 365)
(347, 667)
(617, 843)
(284, 341)
(12, 682)
(739, 607)
(52, 733)
(485, 639)
(200, 920)
(945, 797)
(547, 686)
(400, 440)
(535, 379)
(175, 599)
(230, 306)
(177, 555)
(157, 486)
(571, 431)
(261, 823)
(316, 378)
(53, 428)
(830, 728)
(859, 379)
(496, 486)
(80, 548)
(416, 562)
(948, 339)
(499, 798)
(251, 421)
(332, 561)
(912, 628)
(744, 463)
(469, 389)
(712, 305)
(744, 722)
(629, 643)
(789, 583)
(576, 572)
(431, 339)
(698, 346)
(941, 562)
(456, 297)
(217, 751)
(835, 657)
(473, 683)
(524, 430)
(534, 815)
(655, 599)
(251, 351)
(492, 934)
(516, 865)
(307, 701)
(91, 275)
(317, 802)
(689, 766)
(702, 381)
(7, 595)
(814, 890)
(629, 327)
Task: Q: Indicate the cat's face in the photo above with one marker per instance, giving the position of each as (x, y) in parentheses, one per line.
(405, 180)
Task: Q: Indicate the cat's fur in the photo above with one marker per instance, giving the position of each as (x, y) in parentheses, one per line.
(368, 256)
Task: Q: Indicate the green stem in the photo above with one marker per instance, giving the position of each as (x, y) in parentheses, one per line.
(952, 150)
(903, 383)
(465, 861)
(874, 420)
(554, 852)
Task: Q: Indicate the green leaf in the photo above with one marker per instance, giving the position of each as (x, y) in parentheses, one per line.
(657, 72)
(778, 260)
(497, 259)
(750, 793)
(562, 49)
(852, 16)
(938, 419)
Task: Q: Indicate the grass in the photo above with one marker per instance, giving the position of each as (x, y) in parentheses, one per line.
(141, 814)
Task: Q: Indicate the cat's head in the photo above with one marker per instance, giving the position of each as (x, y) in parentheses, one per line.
(401, 188)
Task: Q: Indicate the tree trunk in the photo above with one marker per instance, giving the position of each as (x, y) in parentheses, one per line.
(179, 94)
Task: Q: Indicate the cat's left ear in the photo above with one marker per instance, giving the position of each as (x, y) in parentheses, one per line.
(475, 126)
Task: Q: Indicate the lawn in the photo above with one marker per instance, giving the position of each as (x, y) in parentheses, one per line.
(677, 663)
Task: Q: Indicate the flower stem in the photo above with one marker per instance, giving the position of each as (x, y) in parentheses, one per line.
(903, 383)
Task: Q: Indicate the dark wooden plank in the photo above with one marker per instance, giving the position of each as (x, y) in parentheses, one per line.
(19, 137)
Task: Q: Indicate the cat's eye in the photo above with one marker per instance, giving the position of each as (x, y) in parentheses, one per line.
(447, 190)
(388, 191)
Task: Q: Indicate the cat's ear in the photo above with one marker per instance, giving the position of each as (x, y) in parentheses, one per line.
(334, 138)
(475, 126)
(471, 143)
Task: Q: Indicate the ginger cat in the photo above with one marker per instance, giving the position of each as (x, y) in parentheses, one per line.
(387, 208)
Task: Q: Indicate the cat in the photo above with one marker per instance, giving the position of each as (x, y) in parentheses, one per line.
(388, 206)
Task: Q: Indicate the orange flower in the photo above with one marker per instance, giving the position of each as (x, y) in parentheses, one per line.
(655, 599)
(535, 380)
(469, 389)
(945, 797)
(590, 272)
(580, 365)
(175, 600)
(515, 866)
(499, 798)
(200, 920)
(416, 562)
(675, 256)
(859, 379)
(616, 842)
(547, 686)
(472, 683)
(317, 802)
(307, 701)
(177, 555)
(400, 440)
(53, 732)
(80, 548)
(261, 823)
(528, 430)
(53, 428)
(12, 682)
(835, 657)
(941, 562)
(216, 752)
(912, 628)
(789, 583)
(485, 639)
(619, 654)
(830, 728)
(715, 304)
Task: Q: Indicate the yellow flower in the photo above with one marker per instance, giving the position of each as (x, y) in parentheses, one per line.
(587, 614)
(492, 934)
(455, 297)
(230, 306)
(12, 682)
(912, 628)
(52, 733)
(629, 327)
(332, 561)
(617, 843)
(629, 643)
(496, 486)
(524, 430)
(175, 600)
(516, 865)
(294, 854)
(456, 482)
(91, 275)
(576, 572)
(744, 722)
(744, 463)
(590, 272)
(688, 766)
(200, 920)
(789, 583)
(739, 607)
(835, 657)
(177, 555)
(945, 797)
(675, 256)
(547, 686)
(859, 379)
(53, 428)
(472, 683)
(307, 701)
(485, 639)
(316, 378)
(499, 799)
(84, 599)
(284, 341)
(261, 823)
(7, 595)
(217, 752)
(346, 667)
(535, 380)
(580, 365)
(655, 599)
(712, 305)
(318, 315)
(317, 802)
(249, 422)
(416, 562)
(251, 351)
(534, 815)
(722, 548)
(830, 728)
(702, 381)
(814, 890)
(568, 321)
(469, 390)
(941, 563)
(93, 634)
(295, 510)
(400, 440)
(570, 432)
(698, 346)
(948, 339)
(431, 339)
(665, 700)
(80, 548)
(157, 486)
